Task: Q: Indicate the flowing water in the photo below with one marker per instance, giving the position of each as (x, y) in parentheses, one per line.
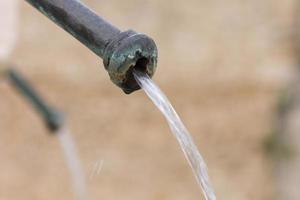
(73, 163)
(179, 130)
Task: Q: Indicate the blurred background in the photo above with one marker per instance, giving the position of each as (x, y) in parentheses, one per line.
(229, 68)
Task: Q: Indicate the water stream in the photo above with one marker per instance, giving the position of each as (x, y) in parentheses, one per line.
(184, 138)
(73, 163)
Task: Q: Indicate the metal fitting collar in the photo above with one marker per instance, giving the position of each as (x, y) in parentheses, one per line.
(127, 51)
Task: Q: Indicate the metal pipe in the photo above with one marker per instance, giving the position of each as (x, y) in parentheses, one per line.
(52, 117)
(120, 51)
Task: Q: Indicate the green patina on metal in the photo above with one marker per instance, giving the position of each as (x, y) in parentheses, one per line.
(121, 51)
(127, 51)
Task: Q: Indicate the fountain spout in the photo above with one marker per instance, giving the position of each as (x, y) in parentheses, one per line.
(121, 51)
(53, 119)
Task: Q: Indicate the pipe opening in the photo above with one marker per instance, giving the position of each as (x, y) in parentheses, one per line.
(140, 65)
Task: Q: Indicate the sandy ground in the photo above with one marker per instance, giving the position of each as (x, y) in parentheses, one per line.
(221, 64)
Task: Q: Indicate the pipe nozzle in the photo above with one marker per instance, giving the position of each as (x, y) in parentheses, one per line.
(128, 51)
(121, 51)
(52, 117)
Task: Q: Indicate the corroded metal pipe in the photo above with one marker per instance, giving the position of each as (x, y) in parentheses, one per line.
(52, 117)
(120, 51)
